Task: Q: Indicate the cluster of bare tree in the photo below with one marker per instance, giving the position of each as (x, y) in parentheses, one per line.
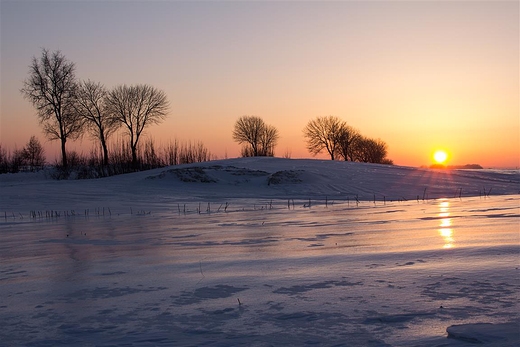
(67, 108)
(257, 137)
(329, 134)
(339, 140)
(29, 158)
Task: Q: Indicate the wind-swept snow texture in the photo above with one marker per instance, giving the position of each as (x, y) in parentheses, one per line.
(254, 178)
(262, 252)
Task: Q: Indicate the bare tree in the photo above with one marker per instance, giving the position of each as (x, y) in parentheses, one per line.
(247, 131)
(371, 151)
(268, 140)
(34, 154)
(90, 105)
(259, 138)
(347, 139)
(137, 107)
(324, 133)
(51, 88)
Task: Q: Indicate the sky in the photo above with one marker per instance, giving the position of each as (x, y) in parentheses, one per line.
(420, 75)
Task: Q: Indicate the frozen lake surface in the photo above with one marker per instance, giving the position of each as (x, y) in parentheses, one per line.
(242, 257)
(396, 274)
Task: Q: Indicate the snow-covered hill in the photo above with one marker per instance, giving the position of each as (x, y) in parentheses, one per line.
(255, 178)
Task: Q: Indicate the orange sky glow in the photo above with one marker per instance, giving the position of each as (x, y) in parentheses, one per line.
(420, 75)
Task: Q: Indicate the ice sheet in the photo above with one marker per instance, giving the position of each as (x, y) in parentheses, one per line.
(367, 275)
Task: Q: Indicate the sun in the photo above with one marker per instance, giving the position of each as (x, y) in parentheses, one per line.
(440, 156)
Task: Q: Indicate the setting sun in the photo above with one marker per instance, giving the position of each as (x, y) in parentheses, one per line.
(440, 156)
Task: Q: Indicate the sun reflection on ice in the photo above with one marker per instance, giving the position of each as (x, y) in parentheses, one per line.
(445, 229)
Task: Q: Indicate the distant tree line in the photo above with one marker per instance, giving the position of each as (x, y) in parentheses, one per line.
(92, 165)
(68, 108)
(29, 158)
(342, 141)
(329, 134)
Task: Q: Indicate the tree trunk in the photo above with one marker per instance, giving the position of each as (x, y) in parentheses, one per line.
(105, 152)
(134, 157)
(63, 153)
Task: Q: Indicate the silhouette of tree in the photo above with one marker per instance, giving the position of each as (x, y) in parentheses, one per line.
(347, 139)
(34, 154)
(136, 107)
(90, 104)
(51, 88)
(371, 151)
(324, 133)
(259, 138)
(268, 139)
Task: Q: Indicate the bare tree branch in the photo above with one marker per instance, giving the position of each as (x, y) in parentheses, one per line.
(51, 88)
(370, 151)
(90, 104)
(347, 138)
(258, 137)
(324, 133)
(137, 107)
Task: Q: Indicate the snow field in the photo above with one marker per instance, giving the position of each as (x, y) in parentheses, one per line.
(434, 272)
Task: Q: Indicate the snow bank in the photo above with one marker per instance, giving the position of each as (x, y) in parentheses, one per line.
(254, 179)
(283, 178)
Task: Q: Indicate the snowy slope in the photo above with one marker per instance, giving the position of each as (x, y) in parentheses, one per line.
(262, 252)
(303, 178)
(253, 178)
